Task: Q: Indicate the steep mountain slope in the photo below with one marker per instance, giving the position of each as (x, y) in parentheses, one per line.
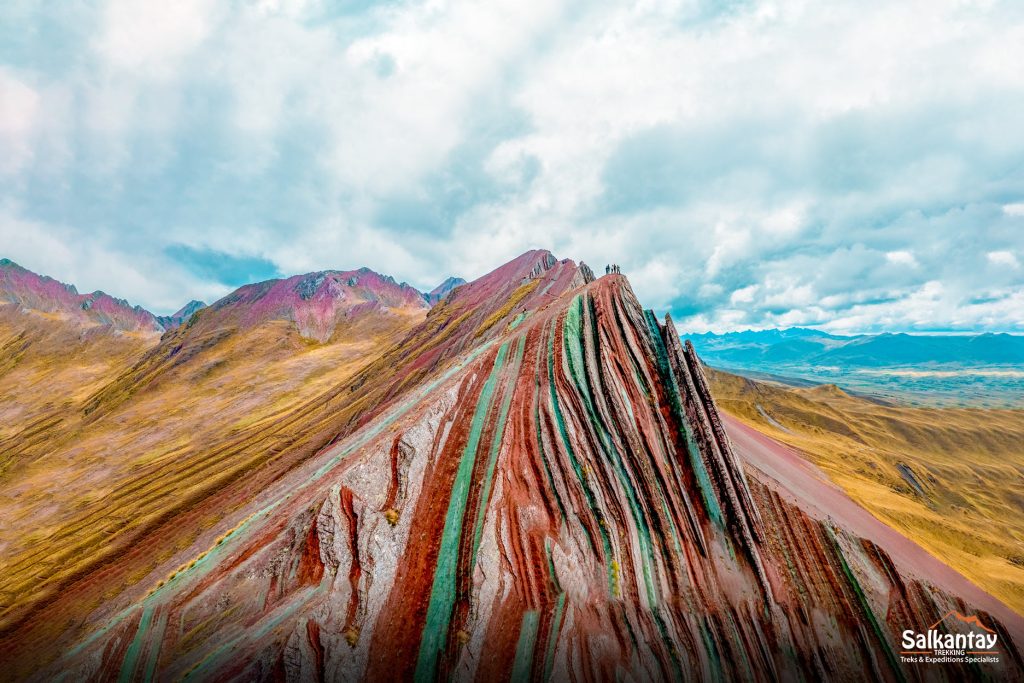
(49, 367)
(951, 479)
(222, 407)
(558, 499)
(146, 426)
(45, 295)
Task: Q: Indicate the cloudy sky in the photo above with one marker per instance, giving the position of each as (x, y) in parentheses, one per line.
(854, 166)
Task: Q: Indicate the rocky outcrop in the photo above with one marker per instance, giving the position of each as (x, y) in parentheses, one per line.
(557, 500)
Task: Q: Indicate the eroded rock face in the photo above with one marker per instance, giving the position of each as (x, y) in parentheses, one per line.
(562, 503)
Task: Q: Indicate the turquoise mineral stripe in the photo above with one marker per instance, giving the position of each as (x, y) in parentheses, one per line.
(574, 346)
(713, 657)
(492, 459)
(524, 649)
(737, 638)
(556, 625)
(865, 605)
(677, 667)
(131, 657)
(540, 438)
(442, 594)
(547, 465)
(675, 404)
(564, 433)
(551, 565)
(154, 649)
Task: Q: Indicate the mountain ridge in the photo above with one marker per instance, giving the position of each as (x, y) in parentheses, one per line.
(28, 290)
(530, 479)
(319, 298)
(868, 350)
(441, 291)
(534, 481)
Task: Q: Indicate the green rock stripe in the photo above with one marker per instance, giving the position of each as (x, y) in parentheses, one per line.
(524, 649)
(492, 459)
(442, 594)
(574, 324)
(676, 405)
(131, 656)
(564, 433)
(556, 626)
(865, 605)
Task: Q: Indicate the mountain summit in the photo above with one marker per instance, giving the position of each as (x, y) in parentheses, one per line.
(533, 482)
(315, 302)
(181, 315)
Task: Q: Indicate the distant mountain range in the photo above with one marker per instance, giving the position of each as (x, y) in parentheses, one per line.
(441, 291)
(812, 348)
(313, 301)
(42, 294)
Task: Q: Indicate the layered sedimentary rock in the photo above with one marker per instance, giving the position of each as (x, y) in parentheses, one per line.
(196, 427)
(553, 498)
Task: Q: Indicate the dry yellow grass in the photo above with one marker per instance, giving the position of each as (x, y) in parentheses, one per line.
(951, 479)
(77, 484)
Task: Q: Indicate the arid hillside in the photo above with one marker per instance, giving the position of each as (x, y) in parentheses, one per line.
(952, 479)
(533, 482)
(325, 478)
(108, 435)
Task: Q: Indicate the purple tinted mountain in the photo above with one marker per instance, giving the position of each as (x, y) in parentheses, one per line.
(28, 291)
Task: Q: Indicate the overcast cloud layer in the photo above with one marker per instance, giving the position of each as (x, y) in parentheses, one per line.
(854, 166)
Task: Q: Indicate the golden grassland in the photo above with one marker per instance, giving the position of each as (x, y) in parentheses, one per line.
(154, 440)
(83, 469)
(951, 479)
